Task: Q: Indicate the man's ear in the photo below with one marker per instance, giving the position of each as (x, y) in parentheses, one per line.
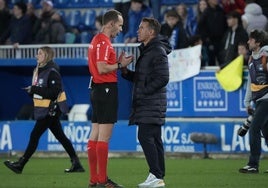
(151, 31)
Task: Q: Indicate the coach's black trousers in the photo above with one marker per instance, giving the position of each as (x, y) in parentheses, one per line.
(149, 136)
(54, 125)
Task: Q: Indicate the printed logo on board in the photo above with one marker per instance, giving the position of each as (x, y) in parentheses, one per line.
(208, 95)
(174, 97)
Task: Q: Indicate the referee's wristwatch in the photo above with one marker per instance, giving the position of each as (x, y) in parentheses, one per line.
(119, 65)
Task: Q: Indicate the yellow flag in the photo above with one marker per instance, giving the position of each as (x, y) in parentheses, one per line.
(230, 77)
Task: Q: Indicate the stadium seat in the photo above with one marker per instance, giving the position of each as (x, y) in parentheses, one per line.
(119, 38)
(177, 2)
(36, 3)
(62, 14)
(171, 2)
(78, 112)
(73, 19)
(90, 3)
(190, 1)
(12, 2)
(61, 3)
(70, 38)
(106, 3)
(88, 20)
(76, 4)
(85, 37)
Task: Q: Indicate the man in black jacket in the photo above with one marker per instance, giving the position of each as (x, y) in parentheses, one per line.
(149, 97)
(212, 26)
(232, 37)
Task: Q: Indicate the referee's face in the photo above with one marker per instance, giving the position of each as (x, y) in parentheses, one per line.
(117, 27)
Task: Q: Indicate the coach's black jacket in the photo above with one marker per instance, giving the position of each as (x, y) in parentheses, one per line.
(149, 101)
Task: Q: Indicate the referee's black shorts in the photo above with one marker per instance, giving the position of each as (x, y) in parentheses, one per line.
(104, 101)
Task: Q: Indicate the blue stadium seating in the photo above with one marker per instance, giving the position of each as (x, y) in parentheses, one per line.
(171, 2)
(36, 3)
(85, 37)
(62, 14)
(58, 4)
(190, 1)
(73, 19)
(76, 4)
(176, 2)
(106, 3)
(90, 3)
(69, 38)
(10, 3)
(61, 3)
(88, 19)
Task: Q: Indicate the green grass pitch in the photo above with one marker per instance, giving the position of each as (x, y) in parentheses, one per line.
(130, 171)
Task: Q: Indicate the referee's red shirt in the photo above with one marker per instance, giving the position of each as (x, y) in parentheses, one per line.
(101, 50)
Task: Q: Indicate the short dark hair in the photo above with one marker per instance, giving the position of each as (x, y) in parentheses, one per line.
(153, 24)
(234, 14)
(243, 43)
(194, 39)
(260, 36)
(21, 5)
(110, 15)
(172, 13)
(137, 1)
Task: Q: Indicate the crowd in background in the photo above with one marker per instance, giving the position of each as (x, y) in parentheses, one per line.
(220, 26)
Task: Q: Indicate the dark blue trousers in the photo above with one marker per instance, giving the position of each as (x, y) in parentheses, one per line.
(259, 125)
(149, 136)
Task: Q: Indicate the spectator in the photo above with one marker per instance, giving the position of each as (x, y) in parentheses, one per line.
(232, 37)
(264, 5)
(173, 29)
(56, 29)
(197, 40)
(244, 51)
(52, 32)
(253, 18)
(212, 26)
(20, 29)
(137, 11)
(33, 17)
(156, 7)
(45, 17)
(202, 5)
(123, 7)
(5, 17)
(98, 24)
(188, 19)
(47, 10)
(231, 5)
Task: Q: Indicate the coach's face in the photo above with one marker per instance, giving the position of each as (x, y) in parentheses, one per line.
(117, 27)
(144, 33)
